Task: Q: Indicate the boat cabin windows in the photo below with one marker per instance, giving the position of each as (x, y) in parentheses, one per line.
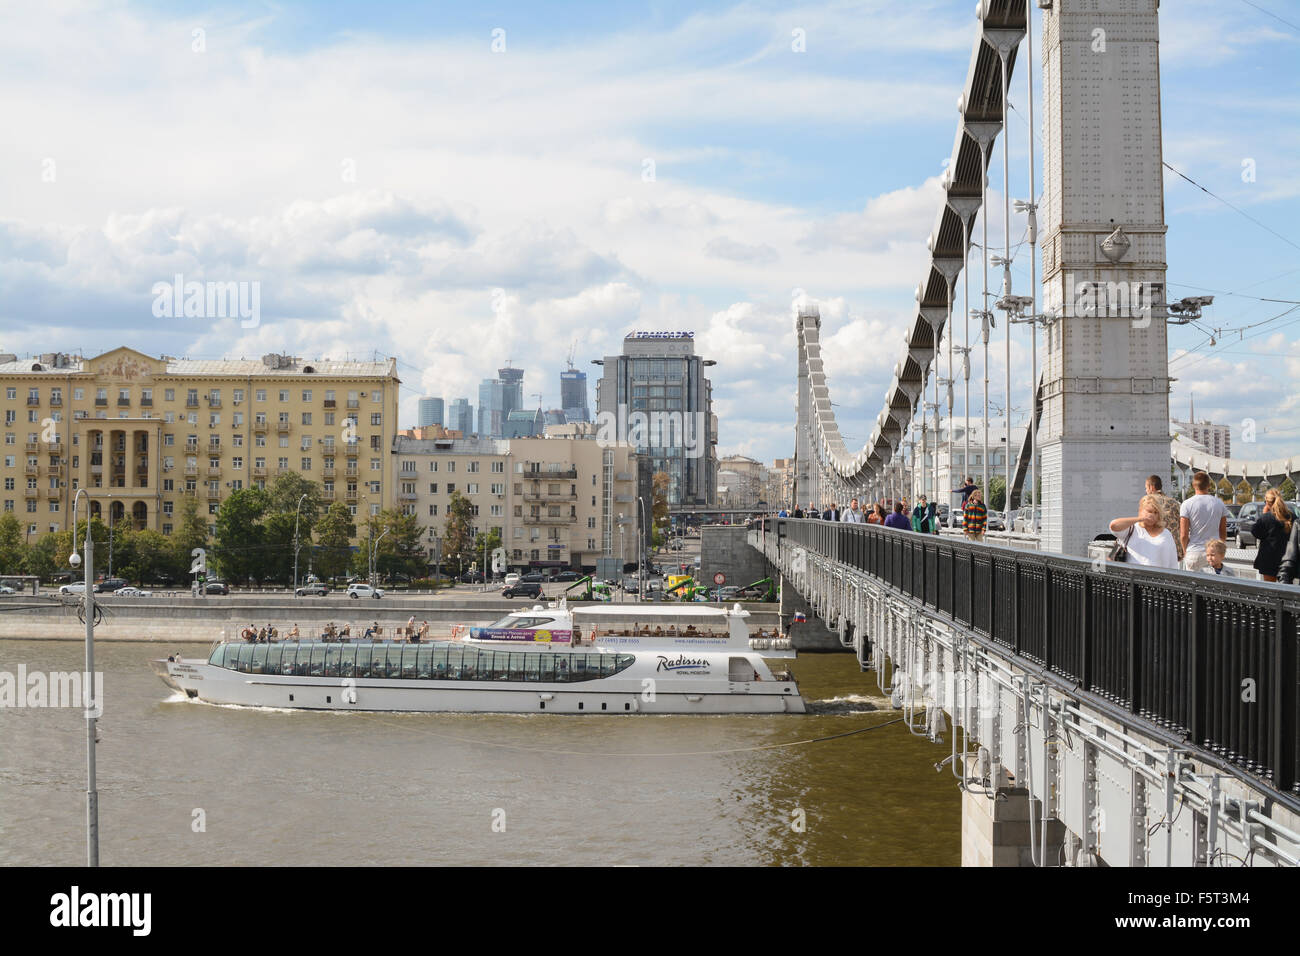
(439, 661)
(524, 623)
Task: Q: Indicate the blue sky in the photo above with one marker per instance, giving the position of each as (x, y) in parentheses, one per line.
(395, 185)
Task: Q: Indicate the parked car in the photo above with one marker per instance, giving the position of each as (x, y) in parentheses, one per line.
(76, 587)
(217, 587)
(109, 585)
(512, 579)
(472, 577)
(312, 589)
(996, 522)
(533, 577)
(529, 589)
(565, 576)
(6, 589)
(1243, 533)
(130, 591)
(357, 591)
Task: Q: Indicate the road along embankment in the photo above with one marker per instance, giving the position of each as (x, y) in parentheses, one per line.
(167, 619)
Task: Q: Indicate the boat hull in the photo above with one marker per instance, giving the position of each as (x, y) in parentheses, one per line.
(685, 695)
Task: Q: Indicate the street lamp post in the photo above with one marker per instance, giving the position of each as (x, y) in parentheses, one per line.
(640, 549)
(374, 547)
(296, 512)
(92, 705)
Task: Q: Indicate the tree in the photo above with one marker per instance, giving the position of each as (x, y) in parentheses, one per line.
(458, 539)
(46, 558)
(334, 534)
(487, 542)
(997, 493)
(150, 558)
(399, 545)
(240, 548)
(191, 532)
(13, 549)
(660, 482)
(1287, 490)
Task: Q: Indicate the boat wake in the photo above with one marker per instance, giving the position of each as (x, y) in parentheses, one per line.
(848, 704)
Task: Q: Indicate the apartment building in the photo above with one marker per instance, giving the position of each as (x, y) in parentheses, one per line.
(559, 502)
(141, 433)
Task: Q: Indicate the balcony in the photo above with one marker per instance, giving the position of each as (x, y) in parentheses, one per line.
(146, 403)
(101, 403)
(214, 471)
(214, 493)
(330, 403)
(56, 448)
(551, 475)
(214, 402)
(354, 403)
(281, 472)
(353, 449)
(550, 519)
(55, 470)
(30, 469)
(259, 425)
(624, 476)
(547, 496)
(96, 469)
(327, 471)
(32, 447)
(189, 492)
(33, 399)
(352, 471)
(283, 427)
(31, 493)
(327, 495)
(350, 496)
(54, 494)
(190, 470)
(191, 446)
(123, 402)
(259, 471)
(407, 496)
(191, 402)
(56, 400)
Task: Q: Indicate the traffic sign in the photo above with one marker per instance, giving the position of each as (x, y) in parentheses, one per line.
(719, 579)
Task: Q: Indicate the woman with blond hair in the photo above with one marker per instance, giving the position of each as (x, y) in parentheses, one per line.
(1148, 541)
(1272, 529)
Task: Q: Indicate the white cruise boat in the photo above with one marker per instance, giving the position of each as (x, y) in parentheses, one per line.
(605, 659)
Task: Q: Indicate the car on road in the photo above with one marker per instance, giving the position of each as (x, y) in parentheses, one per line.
(6, 589)
(511, 579)
(565, 576)
(130, 591)
(312, 589)
(217, 587)
(358, 591)
(472, 577)
(529, 589)
(996, 522)
(533, 577)
(76, 587)
(109, 585)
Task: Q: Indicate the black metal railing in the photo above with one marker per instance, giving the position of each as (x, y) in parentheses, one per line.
(1210, 660)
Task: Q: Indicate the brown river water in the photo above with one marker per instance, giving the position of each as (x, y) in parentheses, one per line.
(190, 783)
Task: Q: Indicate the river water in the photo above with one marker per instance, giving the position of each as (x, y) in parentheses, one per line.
(190, 783)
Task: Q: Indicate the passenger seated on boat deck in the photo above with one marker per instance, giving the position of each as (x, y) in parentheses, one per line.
(347, 632)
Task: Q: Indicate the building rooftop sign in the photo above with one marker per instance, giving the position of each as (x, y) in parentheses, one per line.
(659, 335)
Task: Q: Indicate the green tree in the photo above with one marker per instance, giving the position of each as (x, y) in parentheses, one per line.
(334, 534)
(1287, 488)
(239, 553)
(45, 558)
(458, 539)
(13, 547)
(489, 540)
(191, 532)
(398, 541)
(151, 557)
(659, 518)
(997, 493)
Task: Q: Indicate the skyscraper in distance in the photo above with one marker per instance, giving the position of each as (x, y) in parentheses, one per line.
(431, 412)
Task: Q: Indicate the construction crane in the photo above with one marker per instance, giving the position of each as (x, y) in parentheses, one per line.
(594, 591)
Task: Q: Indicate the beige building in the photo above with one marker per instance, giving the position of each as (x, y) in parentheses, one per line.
(559, 502)
(742, 482)
(141, 433)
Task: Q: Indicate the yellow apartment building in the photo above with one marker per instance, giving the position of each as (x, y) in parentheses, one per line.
(140, 433)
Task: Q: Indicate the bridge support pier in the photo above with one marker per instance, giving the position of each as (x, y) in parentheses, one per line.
(995, 827)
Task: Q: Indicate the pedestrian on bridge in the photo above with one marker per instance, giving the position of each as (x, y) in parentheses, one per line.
(897, 519)
(1290, 567)
(1148, 541)
(877, 515)
(1215, 551)
(1168, 511)
(832, 512)
(1272, 531)
(975, 516)
(853, 513)
(1202, 518)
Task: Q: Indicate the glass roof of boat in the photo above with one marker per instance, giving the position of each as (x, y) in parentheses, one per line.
(653, 611)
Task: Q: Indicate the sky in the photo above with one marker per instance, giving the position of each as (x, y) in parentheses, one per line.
(514, 182)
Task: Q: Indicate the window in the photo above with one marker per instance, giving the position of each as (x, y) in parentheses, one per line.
(498, 468)
(591, 522)
(471, 488)
(496, 511)
(306, 394)
(408, 466)
(377, 418)
(306, 418)
(451, 466)
(237, 419)
(329, 418)
(376, 464)
(373, 486)
(284, 395)
(472, 467)
(450, 487)
(11, 393)
(433, 488)
(498, 488)
(306, 464)
(191, 397)
(433, 511)
(305, 443)
(282, 462)
(214, 419)
(260, 395)
(239, 395)
(169, 439)
(377, 397)
(433, 466)
(167, 507)
(237, 463)
(376, 442)
(169, 395)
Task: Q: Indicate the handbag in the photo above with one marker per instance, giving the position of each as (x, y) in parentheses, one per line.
(1120, 551)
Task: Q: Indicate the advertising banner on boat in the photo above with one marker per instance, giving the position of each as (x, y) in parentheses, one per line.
(523, 634)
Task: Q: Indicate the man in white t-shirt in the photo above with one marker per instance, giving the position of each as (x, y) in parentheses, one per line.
(1202, 519)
